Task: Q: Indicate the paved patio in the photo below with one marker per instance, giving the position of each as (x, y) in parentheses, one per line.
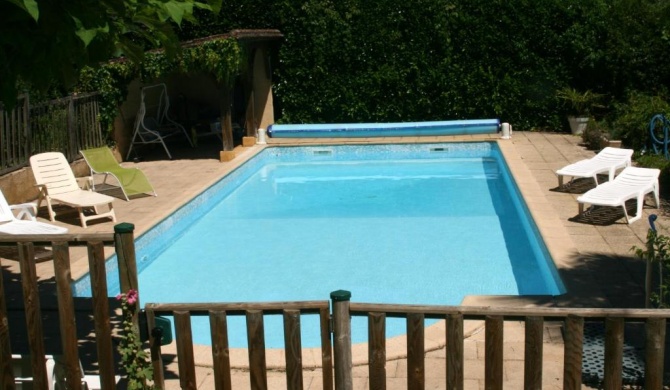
(593, 254)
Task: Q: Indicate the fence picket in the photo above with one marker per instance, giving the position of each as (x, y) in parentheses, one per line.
(533, 353)
(103, 332)
(293, 349)
(218, 321)
(613, 353)
(32, 310)
(155, 348)
(256, 339)
(455, 351)
(416, 376)
(572, 355)
(66, 314)
(6, 378)
(493, 355)
(186, 361)
(326, 349)
(655, 347)
(377, 350)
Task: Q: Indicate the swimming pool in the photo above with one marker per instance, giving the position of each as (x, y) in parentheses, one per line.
(408, 212)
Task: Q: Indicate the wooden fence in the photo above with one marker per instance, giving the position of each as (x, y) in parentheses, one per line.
(342, 310)
(66, 125)
(60, 245)
(335, 327)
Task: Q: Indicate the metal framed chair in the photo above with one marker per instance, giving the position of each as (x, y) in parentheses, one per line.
(153, 123)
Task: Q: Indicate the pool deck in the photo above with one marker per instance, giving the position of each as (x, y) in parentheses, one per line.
(593, 254)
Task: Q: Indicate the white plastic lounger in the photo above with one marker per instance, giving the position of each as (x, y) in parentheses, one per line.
(9, 224)
(608, 160)
(57, 183)
(23, 375)
(631, 183)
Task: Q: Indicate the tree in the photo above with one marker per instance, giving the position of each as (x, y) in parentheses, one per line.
(47, 42)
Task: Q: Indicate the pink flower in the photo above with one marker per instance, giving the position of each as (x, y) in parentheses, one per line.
(119, 297)
(131, 296)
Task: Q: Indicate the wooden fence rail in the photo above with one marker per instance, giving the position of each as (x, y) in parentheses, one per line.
(573, 318)
(60, 246)
(254, 313)
(415, 315)
(334, 325)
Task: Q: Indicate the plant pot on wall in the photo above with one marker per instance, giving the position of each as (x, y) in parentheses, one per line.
(578, 124)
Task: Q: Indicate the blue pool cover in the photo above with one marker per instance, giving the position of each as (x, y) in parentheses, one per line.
(405, 129)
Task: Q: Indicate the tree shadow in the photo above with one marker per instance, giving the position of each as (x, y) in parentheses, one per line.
(578, 185)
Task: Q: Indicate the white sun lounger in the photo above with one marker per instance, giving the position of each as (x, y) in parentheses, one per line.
(9, 224)
(23, 376)
(608, 160)
(57, 183)
(631, 183)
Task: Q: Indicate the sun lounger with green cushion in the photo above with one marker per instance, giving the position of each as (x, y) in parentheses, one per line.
(131, 180)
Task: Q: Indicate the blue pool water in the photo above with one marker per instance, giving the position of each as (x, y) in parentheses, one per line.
(421, 223)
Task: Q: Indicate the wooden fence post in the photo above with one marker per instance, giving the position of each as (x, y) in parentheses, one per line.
(342, 339)
(124, 243)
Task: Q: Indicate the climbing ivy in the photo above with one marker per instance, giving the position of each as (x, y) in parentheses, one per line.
(219, 58)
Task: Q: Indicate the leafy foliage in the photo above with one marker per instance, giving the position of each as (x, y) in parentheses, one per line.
(392, 60)
(219, 58)
(657, 253)
(633, 116)
(581, 103)
(595, 135)
(660, 162)
(45, 42)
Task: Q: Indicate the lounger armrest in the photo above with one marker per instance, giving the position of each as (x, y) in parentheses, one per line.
(26, 211)
(42, 189)
(86, 183)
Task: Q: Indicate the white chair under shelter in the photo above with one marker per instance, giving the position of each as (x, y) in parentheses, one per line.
(153, 123)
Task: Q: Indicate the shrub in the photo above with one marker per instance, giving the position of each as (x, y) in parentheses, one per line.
(657, 253)
(660, 162)
(633, 116)
(595, 136)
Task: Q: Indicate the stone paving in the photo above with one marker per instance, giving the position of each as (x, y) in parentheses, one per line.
(593, 254)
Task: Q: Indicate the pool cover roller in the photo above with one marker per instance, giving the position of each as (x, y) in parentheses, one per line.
(403, 129)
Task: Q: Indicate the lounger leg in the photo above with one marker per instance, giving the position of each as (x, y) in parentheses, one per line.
(595, 179)
(82, 217)
(560, 181)
(111, 212)
(52, 214)
(640, 206)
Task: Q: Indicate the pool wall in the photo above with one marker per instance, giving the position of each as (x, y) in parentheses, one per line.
(459, 127)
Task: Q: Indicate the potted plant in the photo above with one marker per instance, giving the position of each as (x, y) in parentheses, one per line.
(581, 104)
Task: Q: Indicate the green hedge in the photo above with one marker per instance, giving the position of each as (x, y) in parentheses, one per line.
(392, 60)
